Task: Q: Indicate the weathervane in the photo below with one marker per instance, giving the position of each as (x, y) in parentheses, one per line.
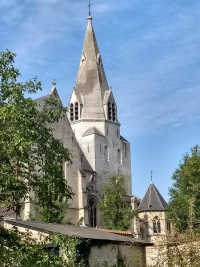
(89, 6)
(151, 175)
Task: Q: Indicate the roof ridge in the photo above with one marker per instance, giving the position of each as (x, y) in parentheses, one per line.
(158, 196)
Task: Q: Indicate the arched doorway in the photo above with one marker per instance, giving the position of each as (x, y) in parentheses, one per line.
(92, 212)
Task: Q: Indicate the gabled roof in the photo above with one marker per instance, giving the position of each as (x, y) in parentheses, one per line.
(153, 200)
(41, 102)
(92, 131)
(123, 139)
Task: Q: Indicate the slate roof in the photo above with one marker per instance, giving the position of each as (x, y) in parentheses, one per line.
(92, 131)
(153, 200)
(84, 232)
(41, 102)
(123, 139)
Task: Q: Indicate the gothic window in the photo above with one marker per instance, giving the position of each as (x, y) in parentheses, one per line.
(119, 157)
(109, 111)
(76, 111)
(142, 233)
(71, 112)
(156, 225)
(168, 226)
(92, 212)
(114, 112)
(106, 153)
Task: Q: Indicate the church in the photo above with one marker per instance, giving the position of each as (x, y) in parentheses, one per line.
(91, 131)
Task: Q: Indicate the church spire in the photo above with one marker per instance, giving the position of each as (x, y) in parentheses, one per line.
(91, 82)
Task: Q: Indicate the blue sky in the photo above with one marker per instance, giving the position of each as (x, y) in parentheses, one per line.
(150, 51)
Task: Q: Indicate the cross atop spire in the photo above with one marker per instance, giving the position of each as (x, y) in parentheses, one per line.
(54, 82)
(151, 176)
(89, 6)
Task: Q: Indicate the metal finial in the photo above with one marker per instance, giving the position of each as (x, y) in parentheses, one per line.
(89, 6)
(54, 82)
(151, 176)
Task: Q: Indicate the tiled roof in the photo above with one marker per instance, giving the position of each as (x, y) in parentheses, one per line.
(4, 212)
(153, 200)
(125, 233)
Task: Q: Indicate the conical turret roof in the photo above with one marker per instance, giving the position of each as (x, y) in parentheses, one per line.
(91, 82)
(152, 200)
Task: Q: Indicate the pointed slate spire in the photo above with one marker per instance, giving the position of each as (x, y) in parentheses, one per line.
(91, 82)
(152, 200)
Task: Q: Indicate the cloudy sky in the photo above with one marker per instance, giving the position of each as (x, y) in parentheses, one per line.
(150, 51)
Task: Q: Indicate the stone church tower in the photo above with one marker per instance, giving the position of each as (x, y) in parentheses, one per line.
(91, 131)
(94, 120)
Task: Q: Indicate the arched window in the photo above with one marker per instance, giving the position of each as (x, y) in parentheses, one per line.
(71, 112)
(156, 225)
(168, 226)
(142, 233)
(109, 111)
(92, 212)
(106, 156)
(113, 112)
(119, 157)
(76, 111)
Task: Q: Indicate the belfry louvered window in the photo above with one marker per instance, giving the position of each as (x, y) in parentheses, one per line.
(113, 112)
(71, 112)
(156, 225)
(109, 111)
(76, 111)
(92, 212)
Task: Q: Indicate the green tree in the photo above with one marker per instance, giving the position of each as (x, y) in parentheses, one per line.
(31, 159)
(117, 213)
(186, 185)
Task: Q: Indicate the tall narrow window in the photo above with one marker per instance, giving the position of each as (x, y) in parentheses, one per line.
(119, 157)
(106, 153)
(92, 212)
(156, 225)
(76, 111)
(142, 233)
(109, 111)
(168, 226)
(71, 112)
(125, 150)
(113, 112)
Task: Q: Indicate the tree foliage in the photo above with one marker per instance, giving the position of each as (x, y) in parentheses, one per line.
(20, 249)
(117, 213)
(31, 159)
(186, 184)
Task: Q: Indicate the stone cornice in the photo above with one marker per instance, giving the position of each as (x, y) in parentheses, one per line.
(95, 120)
